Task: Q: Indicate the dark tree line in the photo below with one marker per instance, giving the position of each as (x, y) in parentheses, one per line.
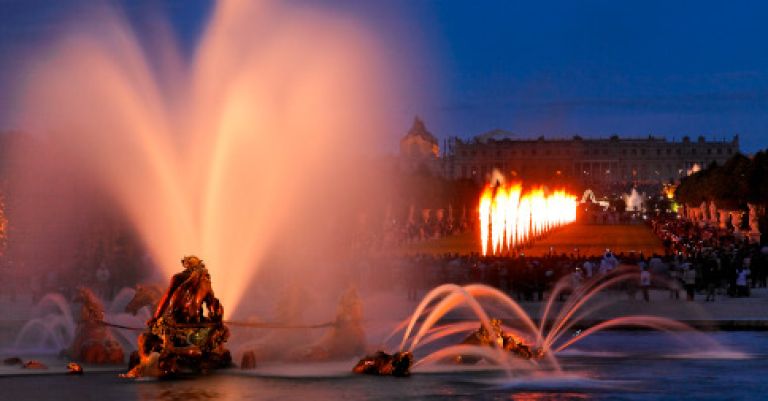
(739, 181)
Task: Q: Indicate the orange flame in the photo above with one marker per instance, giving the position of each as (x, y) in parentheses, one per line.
(509, 218)
(485, 215)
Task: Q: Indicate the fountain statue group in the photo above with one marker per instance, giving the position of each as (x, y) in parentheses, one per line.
(187, 333)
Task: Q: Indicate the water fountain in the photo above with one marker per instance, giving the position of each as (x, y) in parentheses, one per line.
(634, 201)
(230, 157)
(53, 328)
(237, 154)
(547, 339)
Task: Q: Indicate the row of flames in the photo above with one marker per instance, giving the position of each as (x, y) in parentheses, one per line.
(510, 218)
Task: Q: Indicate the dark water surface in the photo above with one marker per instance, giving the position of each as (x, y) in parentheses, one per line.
(609, 366)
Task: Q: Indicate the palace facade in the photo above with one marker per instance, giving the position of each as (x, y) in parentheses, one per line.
(612, 162)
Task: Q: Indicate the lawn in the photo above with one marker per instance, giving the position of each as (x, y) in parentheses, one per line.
(590, 239)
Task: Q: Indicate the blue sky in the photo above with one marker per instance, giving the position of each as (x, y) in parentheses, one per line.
(552, 68)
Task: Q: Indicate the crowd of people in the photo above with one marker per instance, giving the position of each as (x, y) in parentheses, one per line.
(697, 262)
(527, 278)
(715, 260)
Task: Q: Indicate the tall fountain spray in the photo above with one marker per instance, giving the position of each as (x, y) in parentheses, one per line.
(634, 201)
(245, 148)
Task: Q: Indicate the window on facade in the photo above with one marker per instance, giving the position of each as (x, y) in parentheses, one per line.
(693, 151)
(719, 151)
(679, 151)
(730, 151)
(669, 151)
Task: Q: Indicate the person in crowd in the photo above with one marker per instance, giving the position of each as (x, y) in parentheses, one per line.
(645, 283)
(711, 277)
(689, 281)
(576, 279)
(588, 266)
(742, 289)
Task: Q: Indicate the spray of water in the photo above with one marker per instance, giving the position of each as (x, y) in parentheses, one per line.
(249, 147)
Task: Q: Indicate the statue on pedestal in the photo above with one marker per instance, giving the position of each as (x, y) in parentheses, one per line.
(736, 218)
(712, 213)
(186, 333)
(723, 219)
(346, 338)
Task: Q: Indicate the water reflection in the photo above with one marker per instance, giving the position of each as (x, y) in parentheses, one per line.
(541, 396)
(178, 391)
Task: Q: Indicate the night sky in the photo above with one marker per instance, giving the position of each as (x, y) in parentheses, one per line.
(558, 68)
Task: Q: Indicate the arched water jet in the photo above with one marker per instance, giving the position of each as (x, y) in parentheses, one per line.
(572, 312)
(454, 296)
(457, 296)
(568, 321)
(579, 298)
(433, 294)
(655, 322)
(437, 333)
(55, 328)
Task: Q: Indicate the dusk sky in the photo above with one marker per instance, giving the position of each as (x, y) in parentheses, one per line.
(558, 68)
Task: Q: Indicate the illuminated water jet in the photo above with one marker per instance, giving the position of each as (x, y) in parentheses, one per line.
(424, 332)
(226, 156)
(509, 217)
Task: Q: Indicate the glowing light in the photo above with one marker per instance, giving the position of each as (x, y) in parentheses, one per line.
(485, 215)
(509, 217)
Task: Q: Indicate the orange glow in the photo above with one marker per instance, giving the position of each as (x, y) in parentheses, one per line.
(509, 217)
(485, 215)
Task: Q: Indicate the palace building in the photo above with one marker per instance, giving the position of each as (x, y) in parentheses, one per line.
(594, 163)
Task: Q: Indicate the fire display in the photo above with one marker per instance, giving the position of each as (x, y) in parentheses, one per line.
(510, 217)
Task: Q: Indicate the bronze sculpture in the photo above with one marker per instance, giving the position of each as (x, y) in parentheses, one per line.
(186, 334)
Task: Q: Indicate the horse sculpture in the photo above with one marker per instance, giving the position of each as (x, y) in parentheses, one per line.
(93, 342)
(146, 295)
